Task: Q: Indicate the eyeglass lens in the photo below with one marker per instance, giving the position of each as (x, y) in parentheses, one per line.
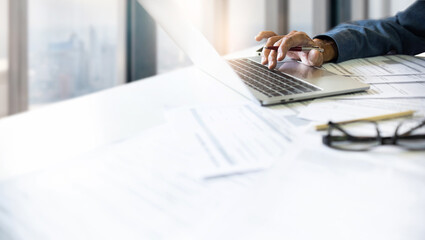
(355, 137)
(411, 135)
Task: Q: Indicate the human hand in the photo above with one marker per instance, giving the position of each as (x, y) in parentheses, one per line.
(294, 39)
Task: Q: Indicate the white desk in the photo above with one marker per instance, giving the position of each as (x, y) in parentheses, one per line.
(44, 136)
(335, 197)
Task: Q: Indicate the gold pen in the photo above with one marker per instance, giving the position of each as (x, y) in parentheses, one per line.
(375, 118)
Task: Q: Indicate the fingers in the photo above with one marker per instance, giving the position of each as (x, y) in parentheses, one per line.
(270, 42)
(293, 39)
(264, 35)
(273, 56)
(312, 58)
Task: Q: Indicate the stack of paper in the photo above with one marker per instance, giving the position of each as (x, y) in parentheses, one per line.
(397, 83)
(393, 76)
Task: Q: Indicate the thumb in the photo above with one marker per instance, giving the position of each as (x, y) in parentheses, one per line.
(315, 58)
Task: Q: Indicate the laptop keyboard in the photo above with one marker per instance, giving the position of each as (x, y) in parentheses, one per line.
(270, 83)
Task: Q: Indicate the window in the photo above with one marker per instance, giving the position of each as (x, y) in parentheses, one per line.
(75, 48)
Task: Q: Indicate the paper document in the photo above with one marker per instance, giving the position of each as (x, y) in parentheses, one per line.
(388, 90)
(127, 190)
(389, 65)
(233, 139)
(391, 79)
(324, 110)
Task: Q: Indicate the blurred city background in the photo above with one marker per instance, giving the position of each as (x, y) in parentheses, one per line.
(76, 47)
(72, 48)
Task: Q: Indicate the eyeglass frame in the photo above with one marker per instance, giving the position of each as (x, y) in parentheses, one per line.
(379, 139)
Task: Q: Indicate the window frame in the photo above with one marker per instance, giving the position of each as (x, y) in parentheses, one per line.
(17, 79)
(141, 43)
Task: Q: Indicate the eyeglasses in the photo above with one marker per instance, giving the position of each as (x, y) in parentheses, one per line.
(365, 135)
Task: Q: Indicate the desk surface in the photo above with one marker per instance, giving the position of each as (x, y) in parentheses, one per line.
(329, 199)
(72, 127)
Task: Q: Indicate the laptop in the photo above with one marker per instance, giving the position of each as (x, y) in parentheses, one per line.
(290, 81)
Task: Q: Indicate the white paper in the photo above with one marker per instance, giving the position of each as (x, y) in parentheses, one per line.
(128, 190)
(233, 139)
(391, 76)
(391, 79)
(341, 110)
(389, 65)
(388, 90)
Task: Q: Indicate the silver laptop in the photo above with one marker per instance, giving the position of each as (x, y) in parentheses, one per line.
(291, 81)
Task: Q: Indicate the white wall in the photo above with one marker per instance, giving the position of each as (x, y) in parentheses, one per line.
(301, 16)
(246, 19)
(399, 5)
(385, 8)
(358, 10)
(320, 16)
(379, 9)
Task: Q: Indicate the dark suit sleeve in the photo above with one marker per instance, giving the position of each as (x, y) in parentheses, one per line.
(401, 34)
